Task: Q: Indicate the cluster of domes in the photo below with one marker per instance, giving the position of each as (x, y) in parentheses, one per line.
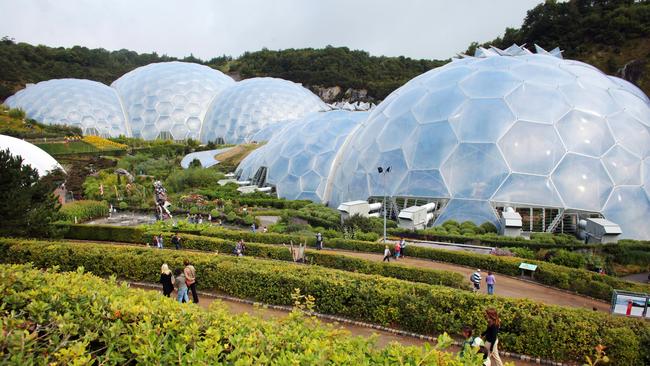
(168, 100)
(503, 128)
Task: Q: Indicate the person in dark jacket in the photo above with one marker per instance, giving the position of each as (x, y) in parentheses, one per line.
(166, 279)
(491, 335)
(176, 240)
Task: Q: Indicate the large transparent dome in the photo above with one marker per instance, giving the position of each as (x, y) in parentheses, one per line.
(252, 104)
(32, 155)
(508, 128)
(89, 105)
(299, 157)
(169, 100)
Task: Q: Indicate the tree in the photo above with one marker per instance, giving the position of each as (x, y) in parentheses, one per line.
(27, 205)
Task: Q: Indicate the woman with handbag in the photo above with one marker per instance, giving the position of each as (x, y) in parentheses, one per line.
(491, 335)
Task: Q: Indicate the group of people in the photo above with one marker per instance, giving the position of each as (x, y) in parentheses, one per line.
(183, 280)
(399, 250)
(197, 218)
(487, 343)
(490, 281)
(157, 241)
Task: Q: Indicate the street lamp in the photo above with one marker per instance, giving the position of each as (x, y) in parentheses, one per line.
(383, 171)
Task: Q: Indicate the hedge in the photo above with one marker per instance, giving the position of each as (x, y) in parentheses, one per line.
(572, 279)
(337, 261)
(536, 329)
(82, 319)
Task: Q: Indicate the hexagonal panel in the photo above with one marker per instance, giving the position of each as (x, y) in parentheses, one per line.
(582, 182)
(476, 211)
(489, 84)
(394, 134)
(623, 167)
(474, 171)
(630, 133)
(423, 183)
(404, 101)
(532, 148)
(537, 104)
(527, 189)
(543, 75)
(482, 120)
(430, 145)
(388, 183)
(629, 207)
(585, 133)
(633, 105)
(590, 99)
(438, 105)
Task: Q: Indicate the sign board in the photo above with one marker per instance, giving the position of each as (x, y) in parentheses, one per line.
(630, 304)
(527, 266)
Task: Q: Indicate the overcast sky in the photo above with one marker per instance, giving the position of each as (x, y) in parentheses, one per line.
(415, 28)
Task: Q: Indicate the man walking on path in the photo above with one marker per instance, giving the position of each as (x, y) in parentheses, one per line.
(176, 240)
(476, 280)
(319, 241)
(190, 279)
(490, 280)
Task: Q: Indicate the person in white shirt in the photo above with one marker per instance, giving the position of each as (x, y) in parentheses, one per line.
(386, 254)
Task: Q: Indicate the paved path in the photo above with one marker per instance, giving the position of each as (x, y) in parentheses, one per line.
(383, 338)
(639, 277)
(205, 157)
(505, 286)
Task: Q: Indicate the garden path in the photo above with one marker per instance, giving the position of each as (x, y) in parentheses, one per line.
(505, 285)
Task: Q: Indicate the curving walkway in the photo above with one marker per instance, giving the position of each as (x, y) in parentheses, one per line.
(505, 285)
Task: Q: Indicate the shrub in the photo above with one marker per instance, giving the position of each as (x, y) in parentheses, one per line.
(568, 259)
(416, 307)
(81, 319)
(123, 205)
(522, 252)
(84, 210)
(16, 113)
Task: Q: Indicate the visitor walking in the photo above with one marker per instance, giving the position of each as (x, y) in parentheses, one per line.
(253, 228)
(490, 280)
(402, 247)
(476, 280)
(181, 286)
(469, 339)
(319, 241)
(386, 254)
(160, 241)
(491, 335)
(397, 250)
(190, 280)
(176, 240)
(154, 241)
(166, 279)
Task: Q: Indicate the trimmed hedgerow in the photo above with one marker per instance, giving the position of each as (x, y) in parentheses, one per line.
(527, 327)
(76, 318)
(572, 279)
(83, 210)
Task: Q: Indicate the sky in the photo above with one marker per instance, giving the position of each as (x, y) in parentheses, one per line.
(433, 29)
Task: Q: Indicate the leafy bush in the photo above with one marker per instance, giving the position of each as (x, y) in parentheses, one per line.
(123, 205)
(522, 252)
(568, 259)
(416, 307)
(82, 319)
(182, 180)
(84, 210)
(16, 113)
(103, 233)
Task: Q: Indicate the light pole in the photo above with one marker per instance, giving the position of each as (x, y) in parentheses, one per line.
(383, 171)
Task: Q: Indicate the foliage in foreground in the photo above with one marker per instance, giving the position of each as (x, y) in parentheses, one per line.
(27, 205)
(527, 327)
(79, 319)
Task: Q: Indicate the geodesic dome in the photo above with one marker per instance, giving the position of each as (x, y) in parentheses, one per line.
(252, 104)
(169, 99)
(506, 128)
(299, 157)
(32, 155)
(89, 105)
